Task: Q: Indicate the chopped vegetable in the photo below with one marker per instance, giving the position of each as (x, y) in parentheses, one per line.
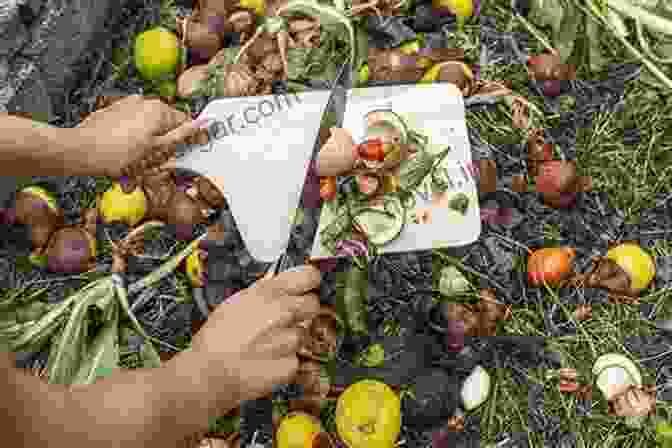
(459, 203)
(550, 265)
(337, 156)
(475, 389)
(452, 281)
(368, 185)
(368, 415)
(328, 188)
(372, 149)
(383, 224)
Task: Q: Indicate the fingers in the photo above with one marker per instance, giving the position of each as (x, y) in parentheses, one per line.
(290, 311)
(180, 132)
(288, 368)
(171, 118)
(284, 343)
(294, 282)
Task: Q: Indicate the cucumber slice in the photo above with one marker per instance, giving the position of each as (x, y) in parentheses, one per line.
(382, 120)
(382, 224)
(613, 380)
(616, 359)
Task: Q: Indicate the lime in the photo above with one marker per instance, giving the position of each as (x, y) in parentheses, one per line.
(156, 54)
(368, 415)
(298, 430)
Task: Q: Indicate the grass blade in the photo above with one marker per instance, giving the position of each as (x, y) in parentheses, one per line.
(103, 357)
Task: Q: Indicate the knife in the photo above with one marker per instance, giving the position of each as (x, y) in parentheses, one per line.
(256, 416)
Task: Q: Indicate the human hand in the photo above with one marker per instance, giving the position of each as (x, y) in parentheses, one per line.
(131, 129)
(252, 338)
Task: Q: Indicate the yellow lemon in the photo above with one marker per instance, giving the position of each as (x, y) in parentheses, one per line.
(195, 268)
(432, 74)
(639, 265)
(258, 6)
(156, 54)
(298, 430)
(117, 206)
(368, 415)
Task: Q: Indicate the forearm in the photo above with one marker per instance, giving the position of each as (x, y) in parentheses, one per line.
(141, 408)
(30, 148)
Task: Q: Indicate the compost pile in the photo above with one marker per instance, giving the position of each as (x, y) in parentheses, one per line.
(438, 328)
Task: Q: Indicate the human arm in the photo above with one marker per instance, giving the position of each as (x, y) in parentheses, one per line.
(102, 145)
(247, 346)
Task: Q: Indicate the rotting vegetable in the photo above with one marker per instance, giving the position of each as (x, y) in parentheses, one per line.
(626, 269)
(37, 209)
(550, 265)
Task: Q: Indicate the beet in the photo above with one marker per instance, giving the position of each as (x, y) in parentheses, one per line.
(435, 397)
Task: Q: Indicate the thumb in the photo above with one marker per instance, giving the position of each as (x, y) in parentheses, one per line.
(182, 133)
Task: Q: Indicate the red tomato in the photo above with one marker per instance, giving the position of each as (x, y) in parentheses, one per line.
(372, 150)
(328, 188)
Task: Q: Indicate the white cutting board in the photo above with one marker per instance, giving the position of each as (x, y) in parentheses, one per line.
(258, 157)
(437, 111)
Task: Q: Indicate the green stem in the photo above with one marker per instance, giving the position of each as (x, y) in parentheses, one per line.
(645, 45)
(534, 32)
(651, 20)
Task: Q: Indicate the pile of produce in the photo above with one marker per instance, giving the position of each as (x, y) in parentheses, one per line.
(553, 329)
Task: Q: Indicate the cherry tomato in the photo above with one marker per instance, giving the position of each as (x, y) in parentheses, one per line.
(373, 150)
(328, 188)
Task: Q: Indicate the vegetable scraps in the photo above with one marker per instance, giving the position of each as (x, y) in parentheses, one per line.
(626, 269)
(368, 185)
(550, 265)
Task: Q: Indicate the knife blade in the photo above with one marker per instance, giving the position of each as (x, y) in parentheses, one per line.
(255, 433)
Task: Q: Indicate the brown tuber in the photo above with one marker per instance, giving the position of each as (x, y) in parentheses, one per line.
(191, 80)
(200, 37)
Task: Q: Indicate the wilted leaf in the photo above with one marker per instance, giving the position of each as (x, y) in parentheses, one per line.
(66, 353)
(102, 358)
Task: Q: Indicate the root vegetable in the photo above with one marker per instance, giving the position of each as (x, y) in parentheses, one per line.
(239, 80)
(557, 176)
(549, 67)
(71, 250)
(200, 37)
(209, 192)
(116, 205)
(538, 152)
(456, 312)
(191, 80)
(550, 265)
(37, 209)
(184, 213)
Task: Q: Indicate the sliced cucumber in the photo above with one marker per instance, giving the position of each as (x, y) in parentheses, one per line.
(616, 359)
(613, 380)
(378, 121)
(384, 223)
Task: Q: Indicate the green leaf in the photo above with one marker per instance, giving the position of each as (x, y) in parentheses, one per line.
(413, 172)
(65, 356)
(102, 358)
(39, 332)
(566, 35)
(547, 13)
(352, 297)
(596, 60)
